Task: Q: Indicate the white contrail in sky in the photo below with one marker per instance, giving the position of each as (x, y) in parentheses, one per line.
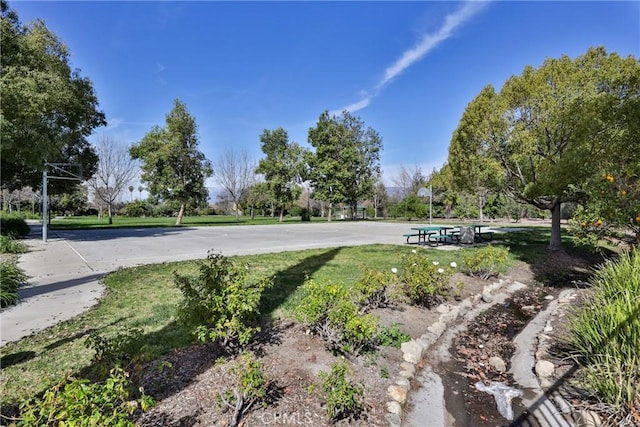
(425, 45)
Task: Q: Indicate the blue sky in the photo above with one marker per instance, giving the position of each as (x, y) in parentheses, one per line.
(408, 69)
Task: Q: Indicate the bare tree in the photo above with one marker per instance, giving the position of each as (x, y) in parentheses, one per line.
(115, 170)
(409, 180)
(235, 172)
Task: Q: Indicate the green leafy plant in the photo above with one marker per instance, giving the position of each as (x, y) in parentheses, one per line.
(9, 245)
(220, 303)
(119, 349)
(11, 277)
(426, 283)
(79, 402)
(605, 335)
(392, 336)
(486, 262)
(344, 398)
(250, 387)
(13, 225)
(371, 289)
(327, 311)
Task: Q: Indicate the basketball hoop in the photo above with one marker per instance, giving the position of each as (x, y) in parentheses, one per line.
(58, 171)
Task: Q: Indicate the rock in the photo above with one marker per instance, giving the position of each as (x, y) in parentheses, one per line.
(450, 316)
(544, 368)
(394, 420)
(426, 340)
(437, 328)
(394, 407)
(587, 419)
(465, 306)
(409, 367)
(487, 297)
(398, 393)
(443, 308)
(498, 364)
(403, 382)
(549, 297)
(406, 374)
(412, 351)
(516, 286)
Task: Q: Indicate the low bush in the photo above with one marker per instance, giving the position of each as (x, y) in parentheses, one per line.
(426, 283)
(486, 262)
(120, 349)
(250, 387)
(220, 303)
(11, 277)
(79, 402)
(392, 336)
(372, 290)
(13, 225)
(328, 312)
(9, 245)
(344, 398)
(605, 336)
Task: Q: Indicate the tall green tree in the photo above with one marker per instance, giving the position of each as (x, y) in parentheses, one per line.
(172, 166)
(536, 140)
(48, 110)
(282, 166)
(346, 160)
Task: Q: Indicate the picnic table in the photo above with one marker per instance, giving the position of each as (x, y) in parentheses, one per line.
(479, 235)
(432, 234)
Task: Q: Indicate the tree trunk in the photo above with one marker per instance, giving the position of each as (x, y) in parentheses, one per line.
(110, 217)
(281, 214)
(555, 244)
(180, 215)
(330, 209)
(237, 211)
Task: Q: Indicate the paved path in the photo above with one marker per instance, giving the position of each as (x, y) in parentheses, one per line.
(65, 272)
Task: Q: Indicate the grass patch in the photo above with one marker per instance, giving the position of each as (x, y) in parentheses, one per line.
(605, 335)
(11, 278)
(9, 245)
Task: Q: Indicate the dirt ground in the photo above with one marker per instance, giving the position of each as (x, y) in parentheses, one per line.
(186, 382)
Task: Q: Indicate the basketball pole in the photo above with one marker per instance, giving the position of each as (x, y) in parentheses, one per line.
(44, 205)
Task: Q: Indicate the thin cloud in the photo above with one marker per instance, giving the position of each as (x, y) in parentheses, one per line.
(353, 107)
(430, 41)
(159, 68)
(425, 45)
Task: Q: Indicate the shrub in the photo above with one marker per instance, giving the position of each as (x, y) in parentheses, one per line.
(13, 225)
(484, 263)
(115, 350)
(344, 398)
(137, 209)
(605, 335)
(11, 277)
(220, 303)
(425, 282)
(250, 387)
(371, 289)
(9, 245)
(78, 402)
(327, 311)
(392, 336)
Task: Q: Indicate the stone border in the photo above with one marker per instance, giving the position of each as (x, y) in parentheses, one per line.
(414, 350)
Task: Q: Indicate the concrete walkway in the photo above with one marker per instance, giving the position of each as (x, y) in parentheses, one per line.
(64, 273)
